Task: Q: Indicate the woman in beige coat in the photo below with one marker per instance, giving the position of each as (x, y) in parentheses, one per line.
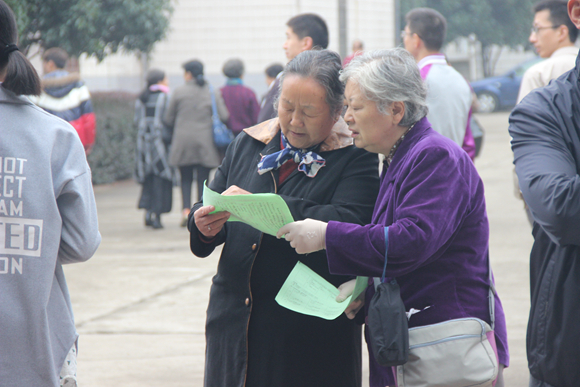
(192, 147)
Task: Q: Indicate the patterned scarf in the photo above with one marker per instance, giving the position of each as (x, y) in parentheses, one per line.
(308, 161)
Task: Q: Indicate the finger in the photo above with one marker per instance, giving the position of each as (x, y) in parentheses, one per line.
(203, 211)
(353, 308)
(283, 230)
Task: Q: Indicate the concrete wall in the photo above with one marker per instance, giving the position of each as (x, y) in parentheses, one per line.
(252, 30)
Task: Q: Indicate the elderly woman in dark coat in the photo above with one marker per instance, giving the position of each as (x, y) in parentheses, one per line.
(307, 157)
(431, 202)
(153, 170)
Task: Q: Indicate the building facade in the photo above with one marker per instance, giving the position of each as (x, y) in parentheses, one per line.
(252, 30)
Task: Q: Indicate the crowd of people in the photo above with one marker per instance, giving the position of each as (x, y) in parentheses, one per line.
(416, 214)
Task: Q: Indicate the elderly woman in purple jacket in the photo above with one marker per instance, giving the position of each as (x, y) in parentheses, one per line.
(431, 199)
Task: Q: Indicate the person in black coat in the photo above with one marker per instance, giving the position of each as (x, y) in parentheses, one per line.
(545, 130)
(310, 161)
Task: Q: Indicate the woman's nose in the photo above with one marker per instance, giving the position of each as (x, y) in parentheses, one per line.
(296, 119)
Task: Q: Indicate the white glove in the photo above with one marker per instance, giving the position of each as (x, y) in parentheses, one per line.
(345, 290)
(306, 236)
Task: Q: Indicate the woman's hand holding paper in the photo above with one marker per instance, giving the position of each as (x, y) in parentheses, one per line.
(306, 236)
(210, 224)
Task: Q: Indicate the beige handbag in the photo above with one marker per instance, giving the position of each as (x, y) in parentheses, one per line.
(454, 353)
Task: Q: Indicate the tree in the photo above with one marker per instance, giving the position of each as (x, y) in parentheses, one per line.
(494, 22)
(93, 27)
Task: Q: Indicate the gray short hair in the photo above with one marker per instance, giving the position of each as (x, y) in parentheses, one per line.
(324, 67)
(233, 68)
(387, 76)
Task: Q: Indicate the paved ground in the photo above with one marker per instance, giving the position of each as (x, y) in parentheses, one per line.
(140, 302)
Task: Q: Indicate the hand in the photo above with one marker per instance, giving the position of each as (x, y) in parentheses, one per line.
(356, 305)
(210, 225)
(345, 290)
(235, 190)
(306, 236)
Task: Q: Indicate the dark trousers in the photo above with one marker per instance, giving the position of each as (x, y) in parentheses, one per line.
(201, 175)
(538, 383)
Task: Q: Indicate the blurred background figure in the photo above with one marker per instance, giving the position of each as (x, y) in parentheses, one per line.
(449, 95)
(272, 72)
(304, 32)
(153, 170)
(357, 49)
(66, 96)
(553, 35)
(240, 100)
(189, 117)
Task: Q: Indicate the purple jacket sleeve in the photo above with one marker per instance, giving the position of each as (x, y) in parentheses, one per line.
(428, 206)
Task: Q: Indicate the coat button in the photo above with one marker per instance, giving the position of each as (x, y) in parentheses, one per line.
(247, 302)
(254, 247)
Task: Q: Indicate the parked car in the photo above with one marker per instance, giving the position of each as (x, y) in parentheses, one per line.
(495, 93)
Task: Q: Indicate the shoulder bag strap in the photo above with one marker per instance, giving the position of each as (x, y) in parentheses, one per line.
(376, 280)
(214, 113)
(492, 293)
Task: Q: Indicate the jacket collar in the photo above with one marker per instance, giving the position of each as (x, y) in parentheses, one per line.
(410, 139)
(268, 130)
(6, 96)
(64, 79)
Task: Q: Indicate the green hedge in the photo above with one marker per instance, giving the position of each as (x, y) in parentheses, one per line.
(113, 155)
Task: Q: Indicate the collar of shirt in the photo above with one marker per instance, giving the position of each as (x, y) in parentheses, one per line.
(432, 59)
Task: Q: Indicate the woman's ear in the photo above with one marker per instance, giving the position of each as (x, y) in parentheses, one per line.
(398, 111)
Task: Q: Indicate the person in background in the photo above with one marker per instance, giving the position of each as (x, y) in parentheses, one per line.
(449, 94)
(545, 130)
(48, 218)
(272, 72)
(304, 32)
(240, 100)
(357, 49)
(431, 205)
(153, 170)
(553, 36)
(309, 160)
(66, 96)
(189, 117)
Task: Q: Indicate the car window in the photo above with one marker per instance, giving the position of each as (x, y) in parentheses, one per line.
(521, 69)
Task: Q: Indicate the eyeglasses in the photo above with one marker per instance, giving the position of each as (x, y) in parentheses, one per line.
(535, 29)
(405, 33)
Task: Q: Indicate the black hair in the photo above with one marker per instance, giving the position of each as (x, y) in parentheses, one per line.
(430, 25)
(57, 55)
(274, 69)
(20, 77)
(310, 24)
(324, 67)
(195, 68)
(153, 77)
(558, 15)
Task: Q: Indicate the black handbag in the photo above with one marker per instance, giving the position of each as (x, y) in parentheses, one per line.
(387, 321)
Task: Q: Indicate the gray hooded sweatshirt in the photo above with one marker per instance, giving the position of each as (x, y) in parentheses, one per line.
(48, 218)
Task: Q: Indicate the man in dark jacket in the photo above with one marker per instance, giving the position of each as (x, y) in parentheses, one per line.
(305, 32)
(545, 130)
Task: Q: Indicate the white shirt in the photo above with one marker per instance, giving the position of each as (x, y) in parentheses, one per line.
(540, 74)
(448, 97)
